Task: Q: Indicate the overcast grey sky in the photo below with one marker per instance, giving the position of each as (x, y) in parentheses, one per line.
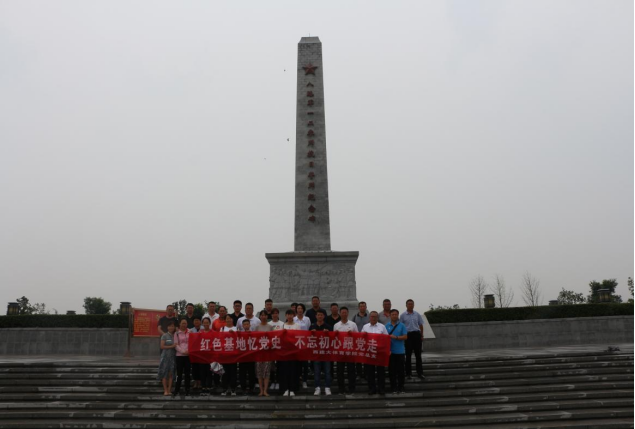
(144, 153)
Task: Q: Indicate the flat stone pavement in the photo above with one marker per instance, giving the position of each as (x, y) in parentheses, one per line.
(441, 356)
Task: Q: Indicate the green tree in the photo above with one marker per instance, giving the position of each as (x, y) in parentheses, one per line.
(27, 308)
(566, 297)
(94, 305)
(610, 284)
(630, 288)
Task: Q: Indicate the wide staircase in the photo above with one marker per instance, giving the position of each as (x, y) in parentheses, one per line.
(574, 389)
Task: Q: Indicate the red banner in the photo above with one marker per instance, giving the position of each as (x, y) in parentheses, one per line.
(145, 322)
(233, 347)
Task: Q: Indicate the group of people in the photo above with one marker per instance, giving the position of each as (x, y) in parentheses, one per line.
(405, 331)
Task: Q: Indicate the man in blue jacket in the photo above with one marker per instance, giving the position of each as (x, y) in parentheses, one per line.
(398, 336)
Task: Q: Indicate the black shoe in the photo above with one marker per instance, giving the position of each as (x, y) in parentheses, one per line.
(187, 393)
(372, 392)
(381, 392)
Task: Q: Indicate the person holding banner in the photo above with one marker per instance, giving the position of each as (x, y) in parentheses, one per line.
(276, 324)
(376, 374)
(288, 369)
(247, 369)
(304, 323)
(168, 359)
(318, 366)
(205, 371)
(182, 358)
(231, 369)
(345, 325)
(263, 369)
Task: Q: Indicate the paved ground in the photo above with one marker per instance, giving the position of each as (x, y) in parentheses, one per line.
(485, 354)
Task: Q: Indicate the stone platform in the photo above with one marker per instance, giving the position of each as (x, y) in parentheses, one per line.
(575, 387)
(297, 276)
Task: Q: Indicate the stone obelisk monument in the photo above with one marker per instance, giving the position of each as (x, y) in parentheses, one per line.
(312, 268)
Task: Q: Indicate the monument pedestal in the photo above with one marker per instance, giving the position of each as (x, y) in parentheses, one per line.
(297, 276)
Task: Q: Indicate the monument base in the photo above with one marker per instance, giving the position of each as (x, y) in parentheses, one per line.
(297, 276)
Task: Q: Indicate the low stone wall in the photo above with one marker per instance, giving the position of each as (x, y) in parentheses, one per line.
(63, 341)
(449, 336)
(531, 333)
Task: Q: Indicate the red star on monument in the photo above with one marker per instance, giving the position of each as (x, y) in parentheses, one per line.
(309, 69)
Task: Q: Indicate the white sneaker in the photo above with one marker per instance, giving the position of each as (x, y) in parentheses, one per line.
(317, 391)
(286, 393)
(277, 386)
(327, 391)
(304, 386)
(292, 394)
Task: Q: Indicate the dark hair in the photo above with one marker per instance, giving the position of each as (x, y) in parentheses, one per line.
(171, 323)
(246, 321)
(295, 304)
(315, 296)
(361, 302)
(263, 313)
(268, 300)
(196, 318)
(249, 303)
(188, 304)
(373, 312)
(290, 311)
(303, 307)
(335, 304)
(222, 306)
(275, 310)
(320, 311)
(394, 310)
(204, 318)
(169, 305)
(211, 302)
(182, 319)
(238, 302)
(386, 300)
(344, 308)
(407, 301)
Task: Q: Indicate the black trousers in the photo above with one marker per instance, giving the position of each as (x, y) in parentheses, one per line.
(182, 364)
(229, 378)
(376, 376)
(396, 372)
(288, 376)
(350, 368)
(196, 371)
(206, 376)
(414, 344)
(247, 375)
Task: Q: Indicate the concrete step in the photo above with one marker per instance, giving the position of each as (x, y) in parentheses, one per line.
(36, 394)
(610, 423)
(150, 380)
(520, 419)
(149, 373)
(149, 387)
(301, 415)
(310, 402)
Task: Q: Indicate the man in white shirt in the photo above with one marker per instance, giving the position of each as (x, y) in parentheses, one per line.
(345, 325)
(249, 315)
(375, 374)
(211, 312)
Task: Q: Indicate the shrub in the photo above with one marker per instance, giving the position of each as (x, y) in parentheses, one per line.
(64, 321)
(469, 315)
